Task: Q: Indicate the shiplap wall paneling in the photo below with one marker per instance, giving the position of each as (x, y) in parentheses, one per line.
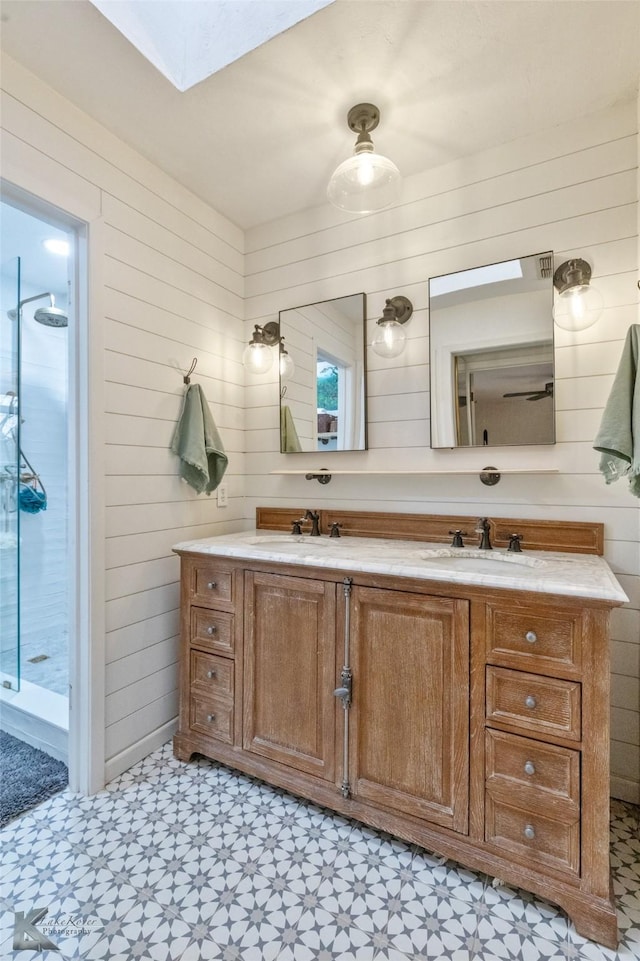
(172, 289)
(573, 190)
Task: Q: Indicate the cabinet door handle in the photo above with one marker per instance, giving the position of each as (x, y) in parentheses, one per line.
(529, 767)
(212, 585)
(211, 673)
(530, 701)
(211, 718)
(531, 636)
(211, 630)
(529, 832)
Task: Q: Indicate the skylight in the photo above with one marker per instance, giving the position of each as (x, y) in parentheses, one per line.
(494, 273)
(188, 40)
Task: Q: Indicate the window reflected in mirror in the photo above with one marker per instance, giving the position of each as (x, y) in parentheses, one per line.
(492, 355)
(323, 404)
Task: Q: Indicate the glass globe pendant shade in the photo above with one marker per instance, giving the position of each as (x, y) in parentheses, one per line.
(365, 182)
(578, 307)
(258, 358)
(389, 340)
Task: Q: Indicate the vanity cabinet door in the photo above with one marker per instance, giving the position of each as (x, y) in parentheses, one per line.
(409, 719)
(289, 667)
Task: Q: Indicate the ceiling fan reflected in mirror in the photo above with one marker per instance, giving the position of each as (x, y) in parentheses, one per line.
(534, 394)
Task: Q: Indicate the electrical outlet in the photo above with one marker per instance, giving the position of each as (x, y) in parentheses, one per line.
(223, 495)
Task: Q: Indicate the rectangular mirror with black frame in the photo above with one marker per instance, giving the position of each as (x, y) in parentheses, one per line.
(492, 355)
(323, 400)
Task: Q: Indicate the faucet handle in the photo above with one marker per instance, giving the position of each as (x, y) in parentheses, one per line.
(457, 538)
(514, 543)
(295, 526)
(335, 529)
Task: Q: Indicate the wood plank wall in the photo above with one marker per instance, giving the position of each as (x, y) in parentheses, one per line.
(574, 190)
(172, 288)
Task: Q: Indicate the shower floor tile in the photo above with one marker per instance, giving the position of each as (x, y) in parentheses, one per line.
(193, 862)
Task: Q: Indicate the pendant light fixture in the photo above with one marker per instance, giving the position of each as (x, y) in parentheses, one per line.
(578, 304)
(390, 337)
(367, 181)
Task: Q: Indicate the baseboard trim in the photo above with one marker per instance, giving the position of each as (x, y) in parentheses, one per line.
(121, 762)
(624, 790)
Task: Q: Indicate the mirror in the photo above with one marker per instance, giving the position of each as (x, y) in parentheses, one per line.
(491, 354)
(323, 403)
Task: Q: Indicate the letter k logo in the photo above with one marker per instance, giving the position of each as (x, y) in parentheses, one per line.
(26, 936)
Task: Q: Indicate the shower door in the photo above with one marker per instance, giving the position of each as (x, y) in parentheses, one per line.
(10, 333)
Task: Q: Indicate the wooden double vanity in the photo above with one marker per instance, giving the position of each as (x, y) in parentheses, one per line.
(457, 699)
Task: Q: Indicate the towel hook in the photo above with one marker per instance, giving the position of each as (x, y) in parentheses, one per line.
(187, 376)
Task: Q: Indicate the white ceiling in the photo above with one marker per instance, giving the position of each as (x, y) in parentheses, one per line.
(260, 138)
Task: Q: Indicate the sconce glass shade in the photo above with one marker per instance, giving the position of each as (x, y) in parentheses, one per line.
(287, 366)
(578, 304)
(389, 340)
(365, 182)
(257, 358)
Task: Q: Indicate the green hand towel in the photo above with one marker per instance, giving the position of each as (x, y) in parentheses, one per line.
(197, 443)
(289, 441)
(619, 436)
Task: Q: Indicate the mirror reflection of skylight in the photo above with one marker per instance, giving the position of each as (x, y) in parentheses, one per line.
(492, 274)
(189, 40)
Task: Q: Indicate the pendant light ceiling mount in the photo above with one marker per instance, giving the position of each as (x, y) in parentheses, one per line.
(362, 119)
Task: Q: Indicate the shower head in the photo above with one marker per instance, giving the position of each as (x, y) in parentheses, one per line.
(51, 316)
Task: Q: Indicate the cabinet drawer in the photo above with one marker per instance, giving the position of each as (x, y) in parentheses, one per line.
(212, 716)
(534, 704)
(213, 675)
(545, 773)
(528, 639)
(212, 586)
(212, 630)
(533, 838)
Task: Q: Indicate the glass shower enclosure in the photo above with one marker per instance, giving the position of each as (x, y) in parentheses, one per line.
(10, 343)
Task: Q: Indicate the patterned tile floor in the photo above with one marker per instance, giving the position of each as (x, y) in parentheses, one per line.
(192, 862)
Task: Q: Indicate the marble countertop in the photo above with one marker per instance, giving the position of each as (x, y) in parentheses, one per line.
(547, 572)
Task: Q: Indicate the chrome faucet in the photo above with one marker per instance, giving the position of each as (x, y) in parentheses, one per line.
(314, 517)
(483, 529)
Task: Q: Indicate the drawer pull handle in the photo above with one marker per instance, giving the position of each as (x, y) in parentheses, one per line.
(529, 767)
(529, 832)
(211, 673)
(212, 585)
(211, 718)
(530, 701)
(211, 630)
(531, 636)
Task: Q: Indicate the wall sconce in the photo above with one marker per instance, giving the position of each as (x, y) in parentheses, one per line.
(287, 366)
(390, 337)
(367, 181)
(257, 356)
(578, 304)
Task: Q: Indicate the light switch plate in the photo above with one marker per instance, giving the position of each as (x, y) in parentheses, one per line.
(223, 495)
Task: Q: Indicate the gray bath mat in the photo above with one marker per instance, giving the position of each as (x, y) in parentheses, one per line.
(27, 777)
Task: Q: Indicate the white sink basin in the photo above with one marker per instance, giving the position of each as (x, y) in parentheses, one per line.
(290, 541)
(468, 559)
